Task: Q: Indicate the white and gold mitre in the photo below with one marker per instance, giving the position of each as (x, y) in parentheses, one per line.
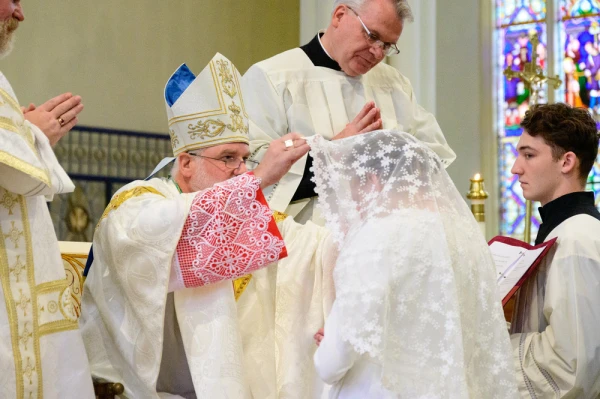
(207, 110)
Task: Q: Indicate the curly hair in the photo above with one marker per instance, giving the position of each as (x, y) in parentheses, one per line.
(564, 129)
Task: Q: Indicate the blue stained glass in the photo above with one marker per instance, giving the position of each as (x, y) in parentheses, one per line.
(579, 67)
(516, 51)
(579, 8)
(581, 63)
(511, 12)
(512, 208)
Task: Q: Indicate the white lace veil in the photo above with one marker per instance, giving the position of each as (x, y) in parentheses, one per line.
(415, 282)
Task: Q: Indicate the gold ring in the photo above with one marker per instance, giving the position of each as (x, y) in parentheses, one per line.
(61, 121)
(288, 143)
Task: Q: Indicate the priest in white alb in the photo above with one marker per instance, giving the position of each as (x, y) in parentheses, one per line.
(336, 86)
(41, 350)
(159, 308)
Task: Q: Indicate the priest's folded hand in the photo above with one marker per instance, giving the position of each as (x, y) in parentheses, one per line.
(279, 158)
(367, 120)
(56, 116)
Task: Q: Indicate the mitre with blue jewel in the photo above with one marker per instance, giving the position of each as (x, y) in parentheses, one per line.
(206, 110)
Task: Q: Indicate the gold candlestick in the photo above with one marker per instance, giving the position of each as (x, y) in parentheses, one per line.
(528, 215)
(478, 195)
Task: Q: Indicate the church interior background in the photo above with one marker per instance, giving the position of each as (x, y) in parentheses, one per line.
(118, 56)
(569, 45)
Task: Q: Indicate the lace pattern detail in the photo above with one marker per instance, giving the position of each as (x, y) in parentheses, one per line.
(414, 280)
(229, 232)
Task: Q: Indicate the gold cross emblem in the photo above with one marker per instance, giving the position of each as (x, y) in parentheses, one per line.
(14, 234)
(18, 268)
(23, 302)
(28, 371)
(9, 201)
(25, 336)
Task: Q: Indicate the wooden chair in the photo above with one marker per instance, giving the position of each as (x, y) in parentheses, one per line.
(74, 256)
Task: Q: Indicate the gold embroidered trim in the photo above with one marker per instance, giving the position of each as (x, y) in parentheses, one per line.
(226, 78)
(57, 326)
(31, 278)
(74, 255)
(22, 130)
(75, 279)
(8, 201)
(22, 313)
(11, 310)
(220, 111)
(16, 127)
(118, 199)
(237, 82)
(8, 124)
(208, 128)
(22, 166)
(212, 124)
(187, 117)
(209, 143)
(51, 286)
(11, 101)
(237, 120)
(279, 216)
(174, 139)
(240, 285)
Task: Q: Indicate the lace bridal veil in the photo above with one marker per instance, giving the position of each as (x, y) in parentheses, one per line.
(415, 282)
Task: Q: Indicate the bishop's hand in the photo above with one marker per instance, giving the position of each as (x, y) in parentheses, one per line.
(279, 158)
(367, 120)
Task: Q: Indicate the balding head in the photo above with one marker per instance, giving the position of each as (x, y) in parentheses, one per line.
(361, 30)
(403, 11)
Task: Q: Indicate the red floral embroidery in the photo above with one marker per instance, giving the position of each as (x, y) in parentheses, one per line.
(229, 232)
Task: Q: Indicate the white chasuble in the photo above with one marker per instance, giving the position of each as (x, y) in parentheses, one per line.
(41, 350)
(149, 232)
(282, 308)
(556, 322)
(287, 93)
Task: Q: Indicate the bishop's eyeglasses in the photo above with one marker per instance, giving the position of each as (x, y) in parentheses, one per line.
(231, 162)
(387, 48)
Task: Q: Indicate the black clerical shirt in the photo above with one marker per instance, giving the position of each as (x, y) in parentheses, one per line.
(562, 208)
(316, 54)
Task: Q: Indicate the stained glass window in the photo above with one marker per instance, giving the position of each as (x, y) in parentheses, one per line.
(516, 21)
(579, 8)
(579, 32)
(512, 12)
(576, 44)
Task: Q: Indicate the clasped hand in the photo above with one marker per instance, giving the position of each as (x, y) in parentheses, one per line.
(56, 116)
(367, 120)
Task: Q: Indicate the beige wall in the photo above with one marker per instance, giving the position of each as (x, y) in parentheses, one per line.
(464, 96)
(119, 54)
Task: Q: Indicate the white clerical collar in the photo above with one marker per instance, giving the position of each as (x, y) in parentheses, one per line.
(323, 47)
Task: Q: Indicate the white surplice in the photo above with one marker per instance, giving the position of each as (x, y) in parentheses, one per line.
(280, 311)
(287, 93)
(557, 317)
(41, 350)
(208, 238)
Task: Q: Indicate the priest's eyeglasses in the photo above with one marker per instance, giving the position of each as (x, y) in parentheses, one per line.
(231, 162)
(387, 48)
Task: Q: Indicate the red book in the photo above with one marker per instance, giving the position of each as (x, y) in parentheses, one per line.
(515, 262)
